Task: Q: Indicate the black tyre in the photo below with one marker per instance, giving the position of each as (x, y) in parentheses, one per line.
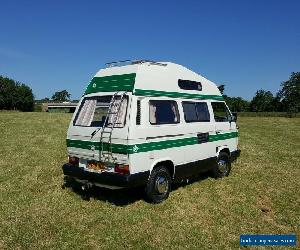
(159, 185)
(222, 167)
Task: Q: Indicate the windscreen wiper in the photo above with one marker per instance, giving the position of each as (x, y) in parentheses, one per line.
(95, 132)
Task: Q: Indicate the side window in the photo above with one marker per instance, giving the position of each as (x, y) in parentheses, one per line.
(189, 110)
(221, 112)
(202, 112)
(195, 112)
(163, 112)
(189, 85)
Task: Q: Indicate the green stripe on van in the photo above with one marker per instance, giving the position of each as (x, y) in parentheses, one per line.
(149, 146)
(225, 136)
(111, 83)
(116, 148)
(144, 92)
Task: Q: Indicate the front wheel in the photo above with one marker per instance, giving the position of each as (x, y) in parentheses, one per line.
(222, 167)
(159, 185)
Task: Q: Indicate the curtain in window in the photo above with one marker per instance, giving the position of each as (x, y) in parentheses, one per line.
(152, 113)
(175, 112)
(120, 116)
(86, 114)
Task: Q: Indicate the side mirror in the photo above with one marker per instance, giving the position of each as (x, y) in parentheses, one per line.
(234, 117)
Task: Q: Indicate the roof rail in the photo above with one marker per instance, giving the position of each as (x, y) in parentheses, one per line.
(131, 62)
(118, 63)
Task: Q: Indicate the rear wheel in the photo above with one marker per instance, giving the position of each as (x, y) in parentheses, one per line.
(159, 185)
(222, 167)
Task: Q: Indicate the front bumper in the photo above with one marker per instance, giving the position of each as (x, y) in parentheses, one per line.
(106, 178)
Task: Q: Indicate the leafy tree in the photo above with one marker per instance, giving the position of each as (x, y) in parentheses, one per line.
(221, 88)
(277, 104)
(237, 104)
(262, 101)
(43, 100)
(25, 98)
(46, 99)
(7, 91)
(61, 96)
(15, 96)
(289, 95)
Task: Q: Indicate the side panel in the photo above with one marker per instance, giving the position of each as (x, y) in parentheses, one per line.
(181, 143)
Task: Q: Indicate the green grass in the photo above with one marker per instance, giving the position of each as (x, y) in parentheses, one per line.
(267, 114)
(261, 196)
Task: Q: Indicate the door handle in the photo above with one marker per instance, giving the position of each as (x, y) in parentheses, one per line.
(203, 137)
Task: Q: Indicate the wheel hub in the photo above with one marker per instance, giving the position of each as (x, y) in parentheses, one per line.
(222, 165)
(161, 185)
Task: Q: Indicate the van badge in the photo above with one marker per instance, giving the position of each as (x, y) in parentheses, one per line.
(94, 85)
(135, 148)
(92, 147)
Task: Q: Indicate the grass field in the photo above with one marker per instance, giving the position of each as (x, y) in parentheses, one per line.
(261, 196)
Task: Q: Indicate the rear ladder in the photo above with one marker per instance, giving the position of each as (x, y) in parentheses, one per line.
(107, 129)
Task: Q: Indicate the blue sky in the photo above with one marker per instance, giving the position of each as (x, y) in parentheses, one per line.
(56, 45)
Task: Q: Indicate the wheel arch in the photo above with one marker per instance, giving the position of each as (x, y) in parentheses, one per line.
(224, 149)
(166, 162)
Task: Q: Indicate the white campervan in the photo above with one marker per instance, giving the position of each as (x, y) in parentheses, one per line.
(149, 124)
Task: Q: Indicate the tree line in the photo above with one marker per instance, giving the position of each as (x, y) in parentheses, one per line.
(287, 99)
(58, 96)
(15, 95)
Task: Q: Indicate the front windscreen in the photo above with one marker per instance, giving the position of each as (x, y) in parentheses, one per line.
(93, 112)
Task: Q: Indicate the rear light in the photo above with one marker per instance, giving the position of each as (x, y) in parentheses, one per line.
(122, 169)
(74, 161)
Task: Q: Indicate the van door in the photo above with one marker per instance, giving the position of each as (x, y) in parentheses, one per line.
(198, 125)
(222, 117)
(224, 125)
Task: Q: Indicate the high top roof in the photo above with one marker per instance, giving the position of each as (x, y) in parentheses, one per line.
(152, 79)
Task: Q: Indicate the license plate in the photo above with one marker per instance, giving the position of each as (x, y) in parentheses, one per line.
(99, 166)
